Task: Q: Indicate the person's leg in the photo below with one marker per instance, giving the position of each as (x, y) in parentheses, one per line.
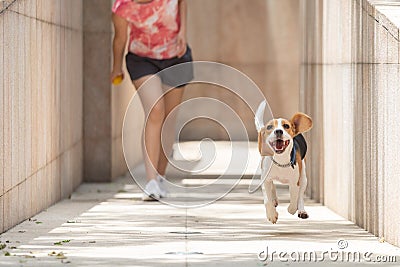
(155, 111)
(171, 99)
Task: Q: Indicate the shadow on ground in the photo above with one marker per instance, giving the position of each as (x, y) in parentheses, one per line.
(108, 224)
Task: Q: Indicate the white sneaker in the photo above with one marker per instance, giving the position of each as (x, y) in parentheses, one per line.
(151, 191)
(162, 183)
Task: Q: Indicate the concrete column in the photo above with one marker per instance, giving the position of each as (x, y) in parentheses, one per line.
(356, 71)
(311, 92)
(97, 90)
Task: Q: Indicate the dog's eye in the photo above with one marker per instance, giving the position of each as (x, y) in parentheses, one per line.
(286, 126)
(269, 127)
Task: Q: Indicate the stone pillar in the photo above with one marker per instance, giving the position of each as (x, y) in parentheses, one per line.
(311, 92)
(97, 93)
(350, 85)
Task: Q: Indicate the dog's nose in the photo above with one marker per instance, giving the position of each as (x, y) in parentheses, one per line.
(278, 132)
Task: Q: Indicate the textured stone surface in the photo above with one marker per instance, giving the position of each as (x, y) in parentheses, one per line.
(338, 129)
(41, 105)
(360, 100)
(311, 101)
(1, 119)
(97, 91)
(121, 230)
(2, 212)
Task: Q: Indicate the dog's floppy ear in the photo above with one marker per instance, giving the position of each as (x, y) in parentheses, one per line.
(263, 147)
(259, 117)
(301, 123)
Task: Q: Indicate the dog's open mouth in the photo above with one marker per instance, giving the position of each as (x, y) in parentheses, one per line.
(279, 145)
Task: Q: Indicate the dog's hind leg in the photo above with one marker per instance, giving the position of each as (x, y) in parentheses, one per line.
(294, 194)
(300, 163)
(303, 185)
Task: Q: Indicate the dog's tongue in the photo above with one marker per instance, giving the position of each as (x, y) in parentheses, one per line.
(279, 144)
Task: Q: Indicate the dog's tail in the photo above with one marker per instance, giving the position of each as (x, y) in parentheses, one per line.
(259, 118)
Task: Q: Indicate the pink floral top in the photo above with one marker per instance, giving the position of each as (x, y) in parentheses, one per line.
(153, 27)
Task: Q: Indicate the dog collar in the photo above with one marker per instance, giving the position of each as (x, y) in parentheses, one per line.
(282, 165)
(292, 162)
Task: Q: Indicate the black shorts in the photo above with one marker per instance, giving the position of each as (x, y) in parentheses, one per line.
(141, 66)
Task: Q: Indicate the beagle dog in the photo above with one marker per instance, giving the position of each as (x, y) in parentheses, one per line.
(283, 149)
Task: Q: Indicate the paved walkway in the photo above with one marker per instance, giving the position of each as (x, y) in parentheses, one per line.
(108, 225)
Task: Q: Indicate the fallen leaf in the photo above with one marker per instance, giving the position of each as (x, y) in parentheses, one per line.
(382, 239)
(21, 231)
(2, 246)
(29, 256)
(92, 242)
(6, 253)
(60, 256)
(60, 243)
(65, 262)
(38, 222)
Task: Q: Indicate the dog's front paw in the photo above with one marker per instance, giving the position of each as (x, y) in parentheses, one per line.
(272, 215)
(275, 202)
(292, 209)
(302, 214)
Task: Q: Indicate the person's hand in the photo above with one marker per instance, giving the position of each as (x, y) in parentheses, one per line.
(115, 73)
(181, 45)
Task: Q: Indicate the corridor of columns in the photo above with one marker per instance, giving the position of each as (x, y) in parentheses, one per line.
(71, 157)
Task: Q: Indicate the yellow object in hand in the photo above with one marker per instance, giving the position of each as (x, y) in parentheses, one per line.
(117, 80)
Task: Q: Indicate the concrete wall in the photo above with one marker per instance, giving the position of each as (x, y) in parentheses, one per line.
(61, 120)
(261, 39)
(350, 84)
(40, 106)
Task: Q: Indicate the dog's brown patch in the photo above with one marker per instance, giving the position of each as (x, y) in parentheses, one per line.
(291, 130)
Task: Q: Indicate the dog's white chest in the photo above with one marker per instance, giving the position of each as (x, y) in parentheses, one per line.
(283, 175)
